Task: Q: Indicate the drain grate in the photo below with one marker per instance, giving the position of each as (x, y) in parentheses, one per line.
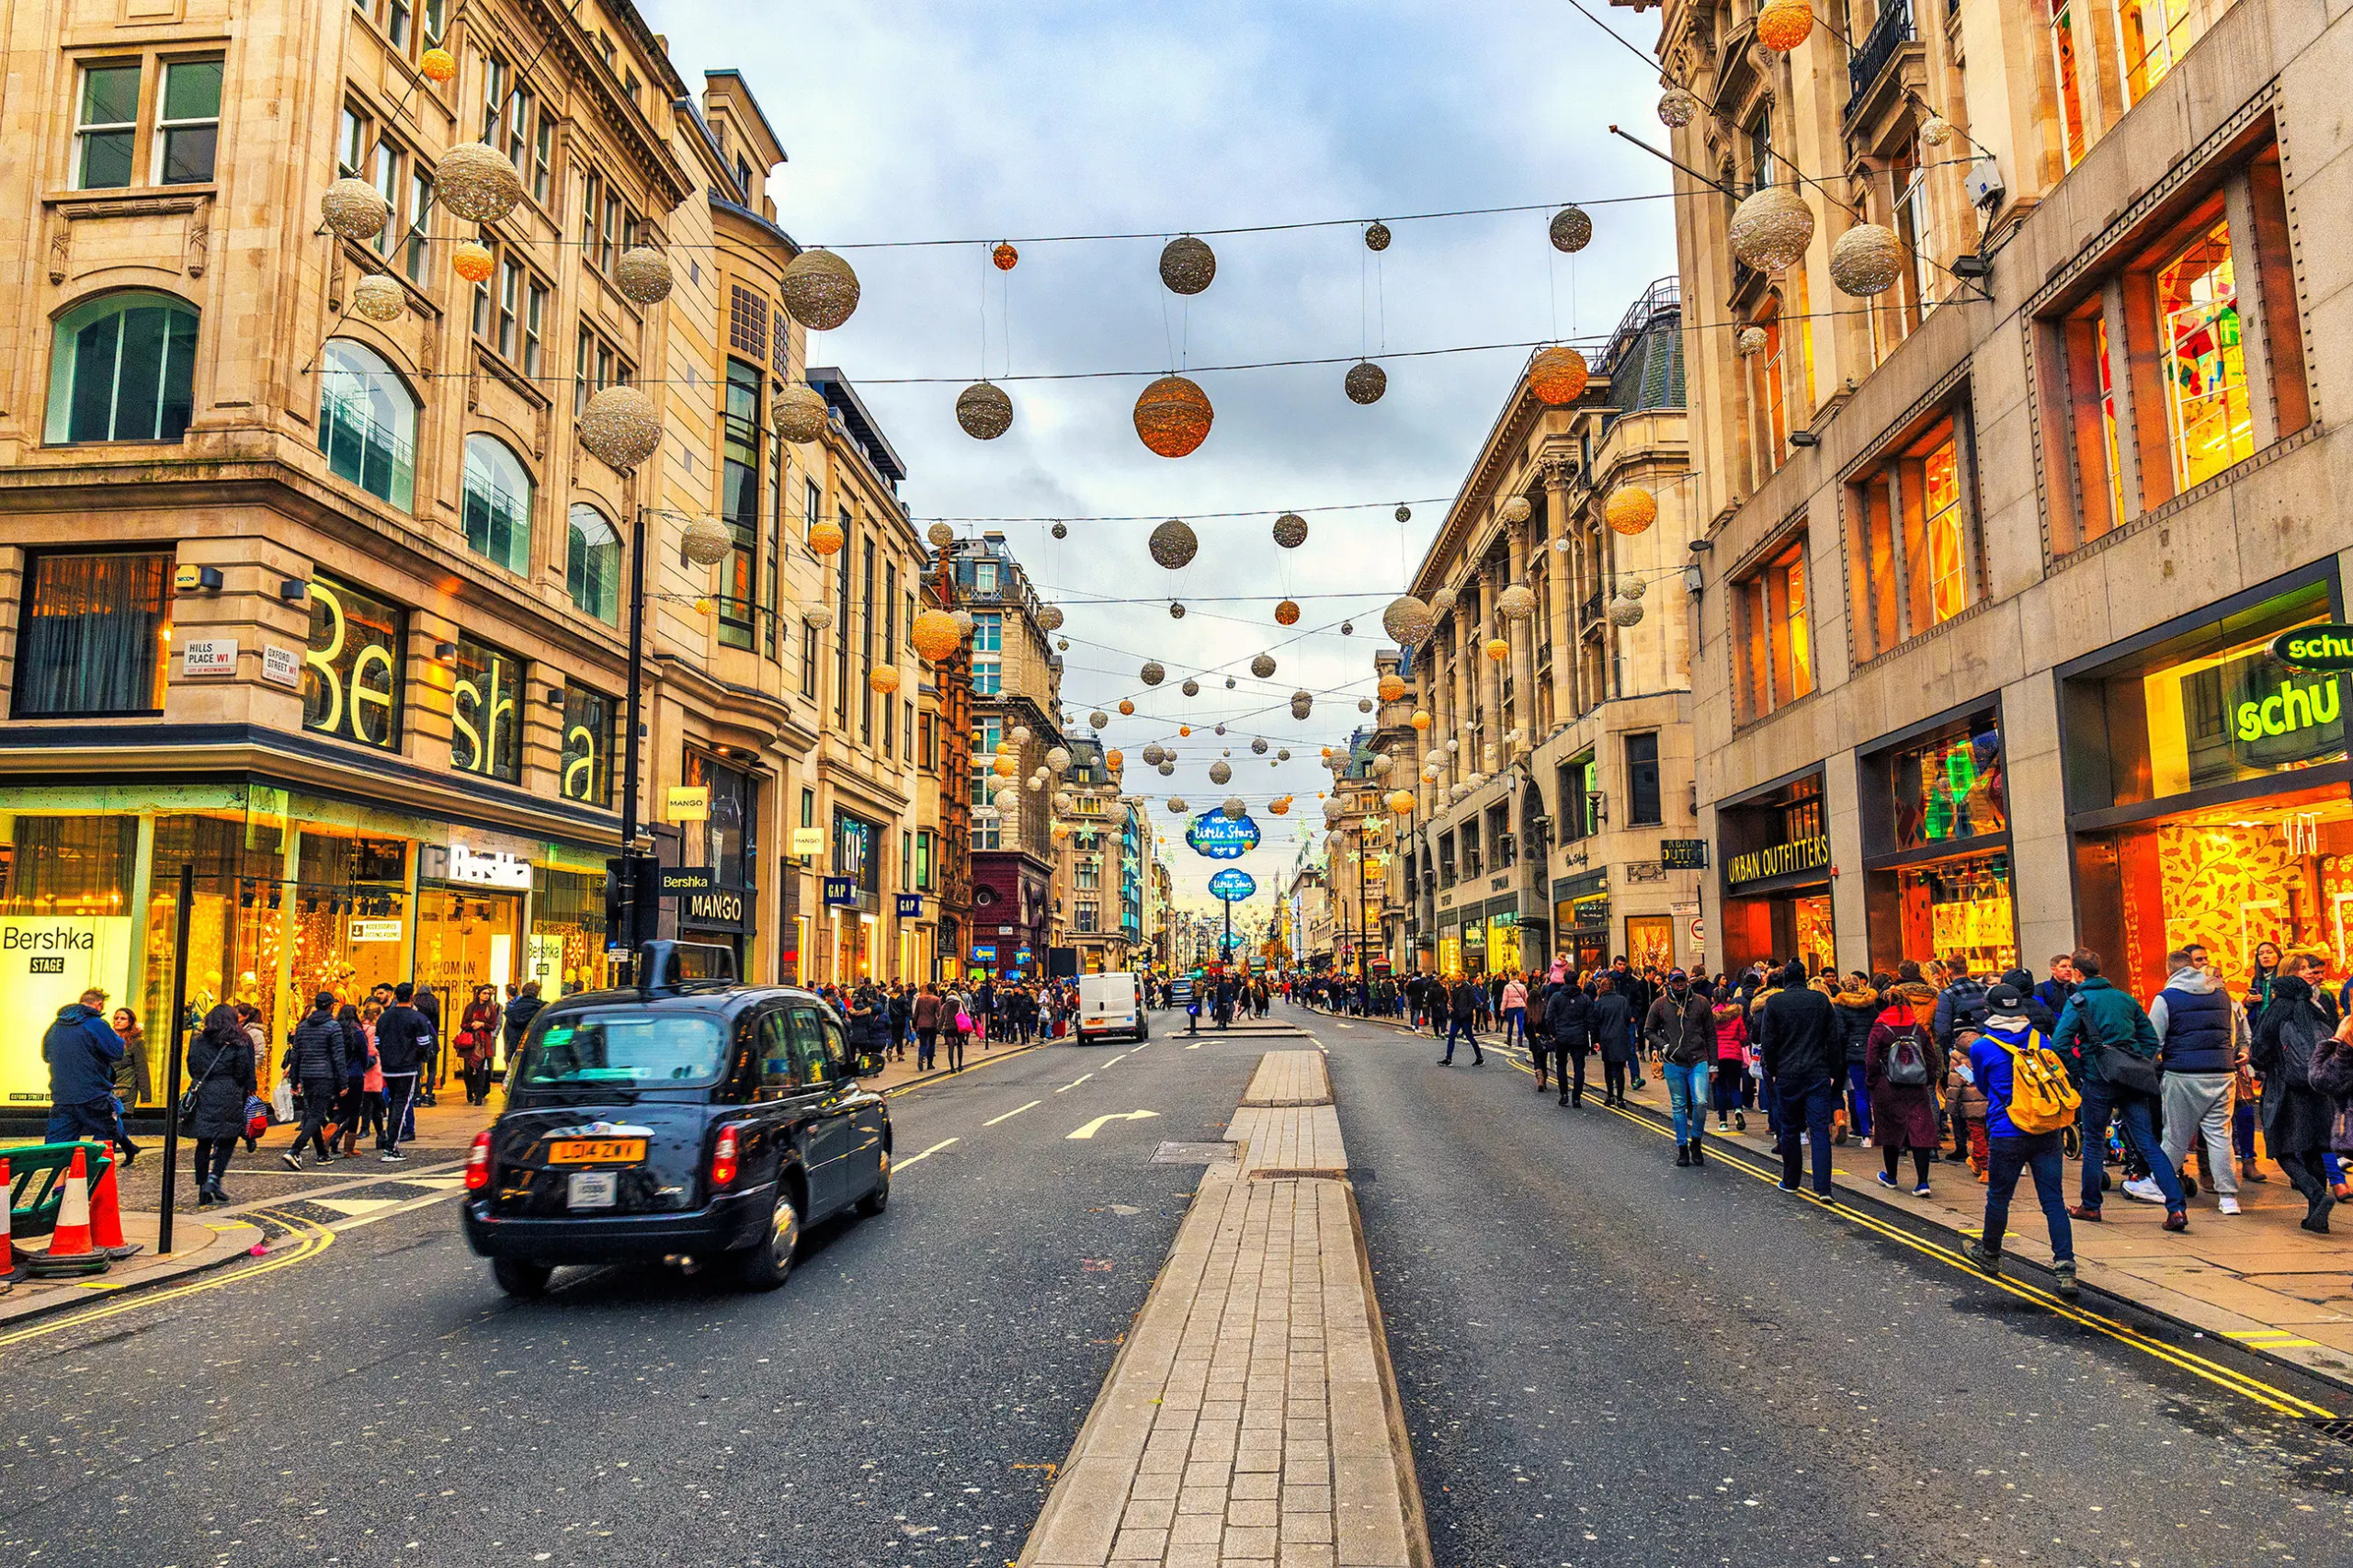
(2336, 1427)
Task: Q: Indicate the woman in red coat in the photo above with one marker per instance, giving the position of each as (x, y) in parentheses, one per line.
(1901, 1068)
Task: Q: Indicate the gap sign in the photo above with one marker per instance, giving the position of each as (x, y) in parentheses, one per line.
(1221, 838)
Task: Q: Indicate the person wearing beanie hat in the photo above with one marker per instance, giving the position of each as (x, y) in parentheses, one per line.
(2006, 1034)
(1797, 1039)
(314, 1061)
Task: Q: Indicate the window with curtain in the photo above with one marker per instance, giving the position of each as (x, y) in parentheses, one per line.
(122, 368)
(592, 566)
(366, 422)
(95, 633)
(497, 505)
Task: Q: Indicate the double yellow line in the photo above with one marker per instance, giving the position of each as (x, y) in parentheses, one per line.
(2273, 1399)
(310, 1240)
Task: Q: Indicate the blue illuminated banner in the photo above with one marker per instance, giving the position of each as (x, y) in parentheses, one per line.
(1232, 885)
(1221, 838)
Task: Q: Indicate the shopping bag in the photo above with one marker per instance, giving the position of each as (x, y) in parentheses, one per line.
(281, 1100)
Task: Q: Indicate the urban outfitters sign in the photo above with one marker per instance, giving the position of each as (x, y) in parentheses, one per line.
(1779, 860)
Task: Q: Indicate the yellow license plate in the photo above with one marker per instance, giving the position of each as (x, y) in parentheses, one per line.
(595, 1151)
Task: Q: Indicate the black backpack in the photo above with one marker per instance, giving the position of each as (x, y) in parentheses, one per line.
(1907, 1063)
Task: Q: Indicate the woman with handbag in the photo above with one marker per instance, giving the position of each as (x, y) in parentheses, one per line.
(477, 1042)
(221, 1073)
(2299, 1119)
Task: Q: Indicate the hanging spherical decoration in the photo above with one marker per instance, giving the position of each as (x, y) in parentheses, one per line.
(1497, 649)
(1060, 530)
(825, 536)
(964, 622)
(644, 274)
(818, 616)
(1300, 709)
(820, 290)
(1572, 230)
(355, 209)
(1229, 685)
(1263, 665)
(1390, 688)
(620, 428)
(1291, 530)
(1004, 256)
(1009, 800)
(1421, 720)
(1259, 746)
(1782, 25)
(477, 182)
(1771, 228)
(1173, 544)
(1283, 755)
(1049, 618)
(1632, 587)
(1173, 417)
(1166, 769)
(934, 634)
(983, 410)
(379, 297)
(1516, 602)
(1019, 736)
(1348, 628)
(1003, 766)
(1936, 130)
(1279, 806)
(1186, 264)
(1630, 509)
(1515, 510)
(1097, 720)
(1232, 808)
(1365, 381)
(1407, 620)
(1376, 235)
(1677, 108)
(1219, 772)
(1287, 613)
(706, 541)
(799, 416)
(1749, 343)
(885, 678)
(1058, 761)
(1441, 602)
(1065, 799)
(1191, 687)
(1401, 801)
(1115, 759)
(1127, 708)
(438, 63)
(1152, 755)
(1153, 674)
(1176, 611)
(1558, 375)
(1364, 704)
(1404, 513)
(1624, 611)
(1219, 731)
(472, 260)
(1866, 260)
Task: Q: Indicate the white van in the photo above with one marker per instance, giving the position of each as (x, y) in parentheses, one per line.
(1111, 1005)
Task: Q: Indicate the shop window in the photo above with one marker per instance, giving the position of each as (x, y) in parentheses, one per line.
(497, 505)
(351, 670)
(122, 368)
(1643, 807)
(1914, 550)
(486, 727)
(1775, 632)
(366, 422)
(592, 564)
(729, 838)
(182, 122)
(1952, 787)
(95, 633)
(2150, 386)
(739, 501)
(591, 728)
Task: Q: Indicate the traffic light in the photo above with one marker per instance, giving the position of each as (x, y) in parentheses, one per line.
(633, 900)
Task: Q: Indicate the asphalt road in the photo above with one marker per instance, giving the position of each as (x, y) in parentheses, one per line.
(900, 1404)
(1605, 1360)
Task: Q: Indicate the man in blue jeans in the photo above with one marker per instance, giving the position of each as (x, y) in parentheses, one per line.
(2010, 1150)
(1682, 1027)
(1798, 1044)
(2099, 1015)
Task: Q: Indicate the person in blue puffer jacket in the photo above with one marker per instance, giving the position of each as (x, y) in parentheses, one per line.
(2004, 1030)
(2202, 1036)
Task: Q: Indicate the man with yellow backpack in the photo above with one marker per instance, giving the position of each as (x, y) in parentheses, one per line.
(2029, 1104)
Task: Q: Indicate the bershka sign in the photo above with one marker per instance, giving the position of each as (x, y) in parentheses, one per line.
(487, 867)
(1779, 861)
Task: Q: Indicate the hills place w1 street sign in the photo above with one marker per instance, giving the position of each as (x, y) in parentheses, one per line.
(1232, 885)
(1222, 837)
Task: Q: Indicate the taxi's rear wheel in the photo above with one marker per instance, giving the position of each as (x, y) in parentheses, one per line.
(878, 1197)
(524, 1279)
(767, 1263)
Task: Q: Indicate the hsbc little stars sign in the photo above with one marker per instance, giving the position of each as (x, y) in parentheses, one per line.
(1221, 838)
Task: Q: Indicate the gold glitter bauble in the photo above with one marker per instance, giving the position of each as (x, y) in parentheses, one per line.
(1407, 620)
(472, 260)
(379, 298)
(826, 536)
(355, 209)
(1186, 264)
(820, 290)
(642, 274)
(621, 427)
(1630, 509)
(1365, 381)
(1783, 25)
(1291, 530)
(1867, 260)
(706, 541)
(1263, 665)
(934, 634)
(1771, 228)
(1173, 544)
(983, 410)
(1287, 613)
(1376, 236)
(1571, 231)
(477, 182)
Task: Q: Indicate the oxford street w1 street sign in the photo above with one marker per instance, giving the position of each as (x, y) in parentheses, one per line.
(1222, 837)
(1232, 885)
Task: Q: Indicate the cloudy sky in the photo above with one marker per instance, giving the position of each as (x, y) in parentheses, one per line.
(925, 119)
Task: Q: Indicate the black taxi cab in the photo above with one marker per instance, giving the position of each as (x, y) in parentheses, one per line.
(688, 1120)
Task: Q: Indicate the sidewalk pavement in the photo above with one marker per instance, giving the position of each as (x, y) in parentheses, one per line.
(197, 1247)
(1251, 1420)
(2257, 1279)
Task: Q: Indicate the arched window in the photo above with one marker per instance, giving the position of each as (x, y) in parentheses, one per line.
(123, 368)
(592, 571)
(368, 422)
(497, 503)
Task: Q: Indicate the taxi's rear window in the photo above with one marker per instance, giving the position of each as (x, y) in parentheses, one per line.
(624, 1048)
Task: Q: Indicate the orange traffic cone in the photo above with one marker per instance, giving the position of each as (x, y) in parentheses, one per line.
(106, 1218)
(70, 1253)
(10, 1269)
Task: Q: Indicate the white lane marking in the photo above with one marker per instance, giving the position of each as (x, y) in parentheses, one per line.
(1192, 1048)
(1344, 1025)
(1092, 1128)
(1117, 1060)
(1075, 1082)
(1008, 1116)
(911, 1159)
(352, 1207)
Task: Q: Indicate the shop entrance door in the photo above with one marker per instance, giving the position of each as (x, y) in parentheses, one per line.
(1816, 937)
(465, 939)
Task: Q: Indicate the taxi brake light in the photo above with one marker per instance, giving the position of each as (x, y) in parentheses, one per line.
(722, 1158)
(478, 1162)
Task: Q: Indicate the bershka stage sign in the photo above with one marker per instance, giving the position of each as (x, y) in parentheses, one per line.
(1232, 885)
(1221, 838)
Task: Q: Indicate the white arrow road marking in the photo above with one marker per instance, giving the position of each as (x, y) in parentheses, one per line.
(1008, 1116)
(1075, 1082)
(1192, 1048)
(1092, 1128)
(911, 1159)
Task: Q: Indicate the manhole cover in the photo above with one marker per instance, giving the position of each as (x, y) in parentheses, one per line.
(1192, 1153)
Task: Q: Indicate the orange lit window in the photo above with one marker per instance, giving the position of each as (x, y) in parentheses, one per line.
(1914, 550)
(2207, 415)
(2153, 34)
(1776, 631)
(2071, 96)
(1769, 393)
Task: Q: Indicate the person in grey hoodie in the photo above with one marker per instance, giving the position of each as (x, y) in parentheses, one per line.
(2202, 1036)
